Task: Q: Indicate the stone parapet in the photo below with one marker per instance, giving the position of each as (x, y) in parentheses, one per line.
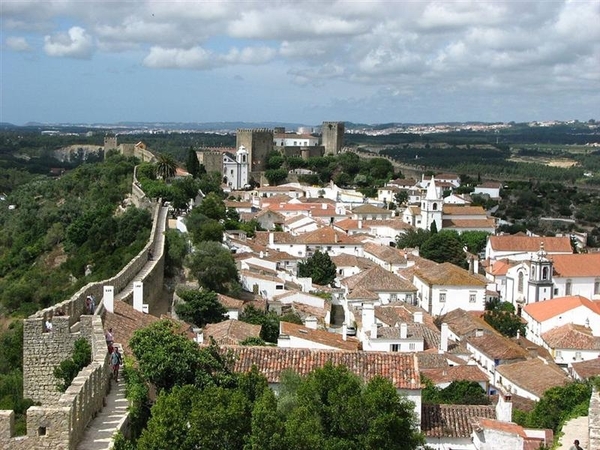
(594, 419)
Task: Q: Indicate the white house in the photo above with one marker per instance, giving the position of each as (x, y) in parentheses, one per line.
(404, 337)
(571, 343)
(294, 140)
(490, 188)
(530, 378)
(542, 317)
(445, 287)
(292, 335)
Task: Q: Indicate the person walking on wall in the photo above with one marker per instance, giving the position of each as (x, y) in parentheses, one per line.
(576, 445)
(115, 362)
(109, 340)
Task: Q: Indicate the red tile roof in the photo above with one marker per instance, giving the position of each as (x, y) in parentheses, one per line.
(469, 223)
(533, 375)
(401, 368)
(319, 336)
(447, 274)
(519, 243)
(452, 421)
(230, 302)
(377, 279)
(577, 265)
(455, 373)
(496, 346)
(462, 210)
(326, 236)
(481, 423)
(587, 369)
(230, 332)
(571, 336)
(542, 311)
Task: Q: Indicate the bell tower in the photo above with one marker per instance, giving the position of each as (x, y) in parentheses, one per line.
(431, 207)
(541, 284)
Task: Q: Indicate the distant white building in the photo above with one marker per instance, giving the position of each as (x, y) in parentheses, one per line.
(235, 170)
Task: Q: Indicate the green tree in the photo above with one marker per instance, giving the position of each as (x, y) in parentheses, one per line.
(267, 427)
(319, 267)
(401, 197)
(268, 320)
(200, 307)
(68, 369)
(275, 176)
(176, 249)
(202, 228)
(213, 266)
(412, 238)
(167, 358)
(444, 246)
(192, 164)
(213, 207)
(459, 392)
(475, 241)
(165, 167)
(501, 316)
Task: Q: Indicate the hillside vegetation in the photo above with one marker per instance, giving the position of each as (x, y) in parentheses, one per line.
(56, 228)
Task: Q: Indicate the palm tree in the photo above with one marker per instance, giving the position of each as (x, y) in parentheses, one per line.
(165, 167)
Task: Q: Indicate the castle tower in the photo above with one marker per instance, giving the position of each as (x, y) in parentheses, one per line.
(258, 143)
(110, 143)
(332, 137)
(431, 207)
(541, 284)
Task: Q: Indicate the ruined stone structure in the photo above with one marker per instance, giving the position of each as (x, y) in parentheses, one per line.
(211, 160)
(60, 420)
(259, 143)
(332, 137)
(110, 143)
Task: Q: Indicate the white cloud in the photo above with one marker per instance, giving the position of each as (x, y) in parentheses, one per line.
(168, 58)
(17, 44)
(76, 43)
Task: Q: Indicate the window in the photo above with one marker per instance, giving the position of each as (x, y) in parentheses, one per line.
(412, 346)
(393, 297)
(279, 286)
(520, 285)
(597, 287)
(472, 297)
(394, 347)
(558, 354)
(544, 273)
(555, 291)
(568, 287)
(577, 355)
(409, 298)
(442, 297)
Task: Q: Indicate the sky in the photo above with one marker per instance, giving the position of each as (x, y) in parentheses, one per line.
(80, 61)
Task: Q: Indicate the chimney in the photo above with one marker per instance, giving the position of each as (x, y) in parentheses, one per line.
(311, 322)
(478, 332)
(335, 237)
(271, 238)
(476, 264)
(323, 205)
(344, 332)
(471, 265)
(262, 255)
(504, 406)
(368, 315)
(418, 317)
(199, 335)
(360, 224)
(374, 331)
(403, 331)
(444, 338)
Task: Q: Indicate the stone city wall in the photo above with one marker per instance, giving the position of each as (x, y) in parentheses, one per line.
(61, 419)
(594, 419)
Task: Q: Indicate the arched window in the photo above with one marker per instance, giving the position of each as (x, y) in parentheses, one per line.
(568, 287)
(435, 206)
(520, 283)
(544, 273)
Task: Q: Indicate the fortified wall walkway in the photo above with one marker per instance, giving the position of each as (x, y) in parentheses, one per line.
(112, 418)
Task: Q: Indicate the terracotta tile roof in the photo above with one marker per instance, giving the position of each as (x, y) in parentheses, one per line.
(305, 310)
(496, 346)
(393, 223)
(587, 369)
(490, 184)
(348, 260)
(279, 198)
(460, 210)
(447, 274)
(361, 293)
(437, 360)
(401, 368)
(481, 423)
(386, 253)
(377, 279)
(280, 218)
(320, 336)
(326, 236)
(317, 200)
(230, 302)
(500, 267)
(232, 204)
(577, 265)
(571, 336)
(279, 237)
(413, 331)
(452, 421)
(469, 223)
(463, 324)
(533, 375)
(125, 321)
(455, 373)
(520, 243)
(231, 332)
(248, 273)
(542, 311)
(371, 209)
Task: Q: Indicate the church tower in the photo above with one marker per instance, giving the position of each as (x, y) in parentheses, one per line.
(541, 283)
(431, 207)
(243, 163)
